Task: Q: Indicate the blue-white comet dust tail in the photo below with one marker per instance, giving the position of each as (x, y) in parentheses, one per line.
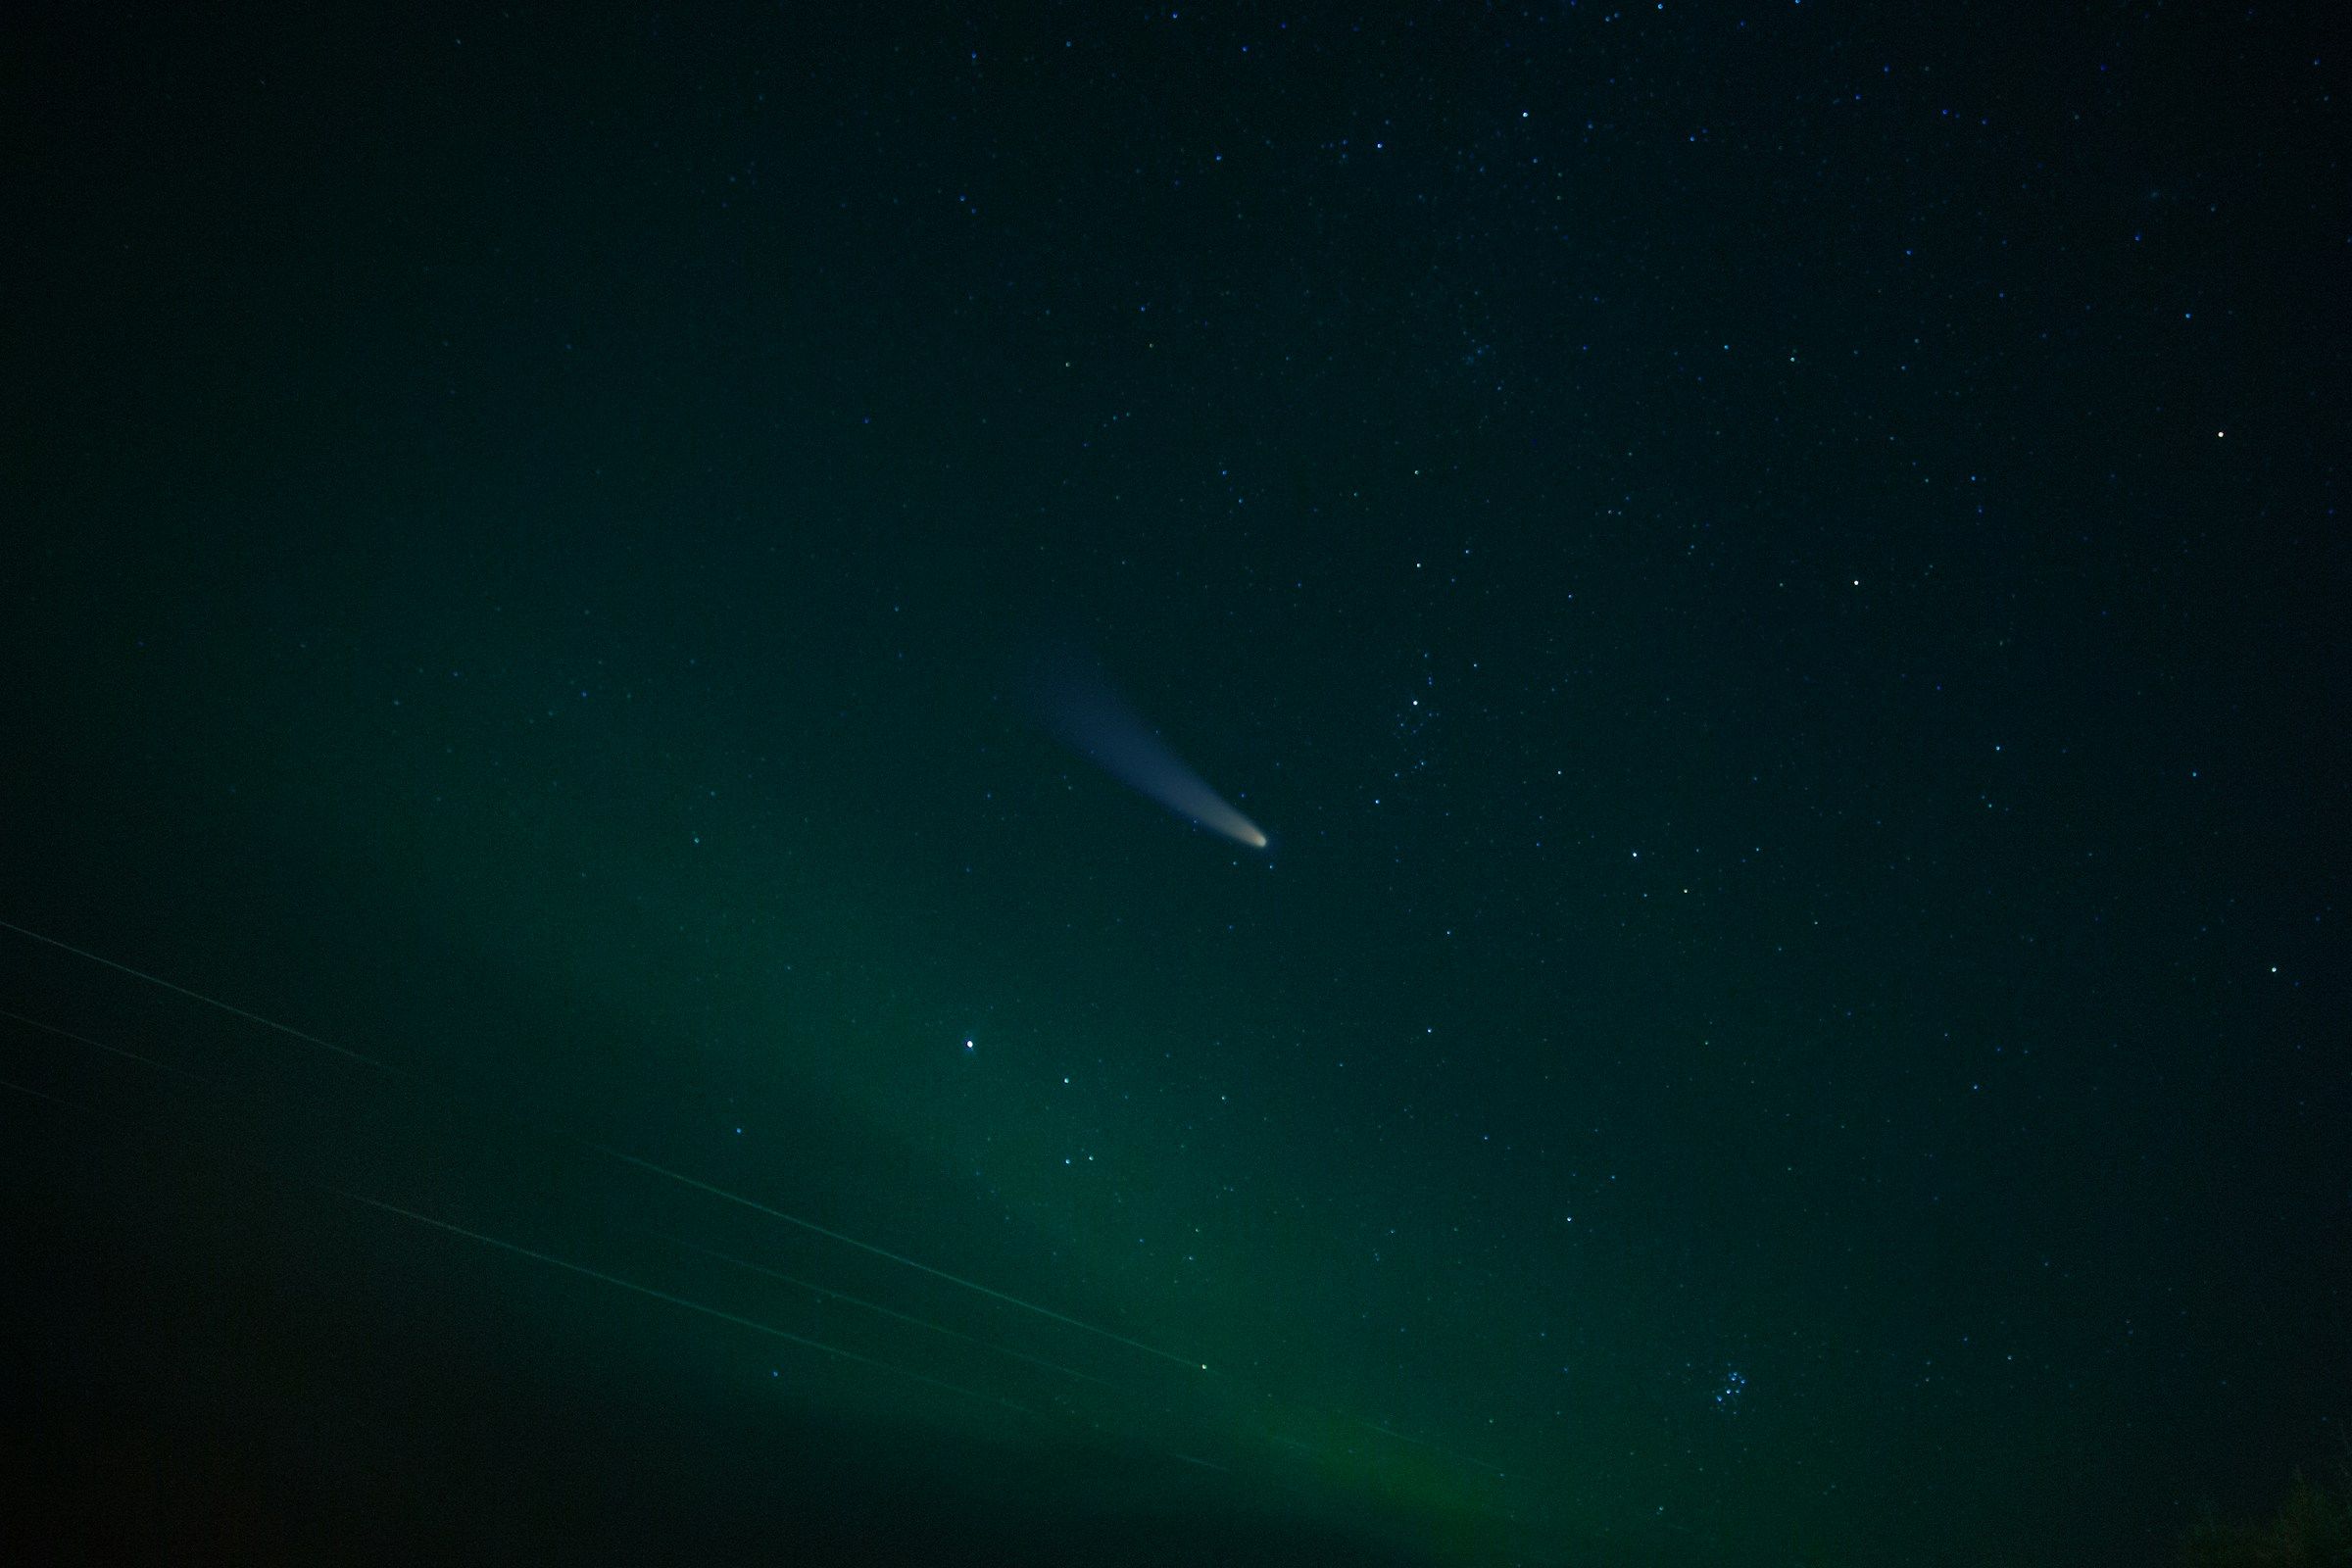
(1087, 713)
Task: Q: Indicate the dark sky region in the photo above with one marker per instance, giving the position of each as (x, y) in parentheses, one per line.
(1766, 570)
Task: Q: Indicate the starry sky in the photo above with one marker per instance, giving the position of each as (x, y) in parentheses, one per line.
(1764, 570)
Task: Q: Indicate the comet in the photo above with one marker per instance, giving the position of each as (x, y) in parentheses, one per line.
(1092, 719)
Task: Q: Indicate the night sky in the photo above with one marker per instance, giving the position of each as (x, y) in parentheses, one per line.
(586, 588)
